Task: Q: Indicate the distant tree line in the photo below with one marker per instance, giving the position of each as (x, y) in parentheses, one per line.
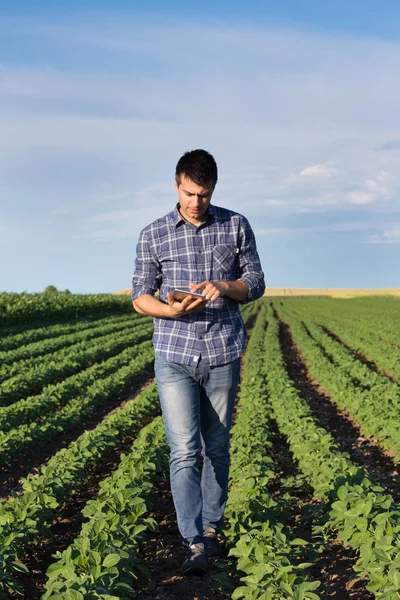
(51, 289)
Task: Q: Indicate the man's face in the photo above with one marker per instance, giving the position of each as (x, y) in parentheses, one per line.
(194, 199)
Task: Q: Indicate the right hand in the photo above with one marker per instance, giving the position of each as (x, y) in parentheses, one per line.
(188, 305)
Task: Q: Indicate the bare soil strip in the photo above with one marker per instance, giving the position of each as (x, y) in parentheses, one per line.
(163, 554)
(333, 563)
(67, 525)
(391, 343)
(357, 355)
(339, 423)
(31, 462)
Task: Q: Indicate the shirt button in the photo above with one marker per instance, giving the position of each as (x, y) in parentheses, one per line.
(199, 251)
(200, 337)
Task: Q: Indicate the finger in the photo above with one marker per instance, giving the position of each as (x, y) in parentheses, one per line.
(171, 299)
(198, 286)
(196, 304)
(196, 308)
(186, 302)
(215, 296)
(210, 291)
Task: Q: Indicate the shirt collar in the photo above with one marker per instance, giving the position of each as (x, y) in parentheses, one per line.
(177, 218)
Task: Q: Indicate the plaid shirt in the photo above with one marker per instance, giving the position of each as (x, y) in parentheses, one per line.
(171, 253)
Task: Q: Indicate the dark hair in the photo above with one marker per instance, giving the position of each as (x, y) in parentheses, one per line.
(199, 166)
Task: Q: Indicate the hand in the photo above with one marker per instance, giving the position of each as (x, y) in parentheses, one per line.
(188, 305)
(211, 290)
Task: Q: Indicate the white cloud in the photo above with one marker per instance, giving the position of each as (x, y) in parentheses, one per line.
(373, 190)
(390, 235)
(291, 118)
(325, 170)
(359, 197)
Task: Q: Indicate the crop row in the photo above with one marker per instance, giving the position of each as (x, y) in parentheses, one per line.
(346, 385)
(23, 357)
(344, 358)
(11, 341)
(20, 309)
(386, 357)
(369, 333)
(34, 380)
(359, 512)
(57, 395)
(80, 408)
(104, 558)
(266, 552)
(28, 516)
(363, 336)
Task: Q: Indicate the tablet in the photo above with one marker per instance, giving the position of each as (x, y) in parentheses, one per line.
(181, 294)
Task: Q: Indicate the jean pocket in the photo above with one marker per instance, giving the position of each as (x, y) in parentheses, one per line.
(224, 262)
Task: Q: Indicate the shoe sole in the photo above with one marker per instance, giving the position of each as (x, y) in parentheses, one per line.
(195, 571)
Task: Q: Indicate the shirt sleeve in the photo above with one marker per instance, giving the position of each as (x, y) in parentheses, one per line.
(147, 274)
(250, 270)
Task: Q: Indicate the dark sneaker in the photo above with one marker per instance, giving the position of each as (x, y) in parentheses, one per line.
(196, 560)
(215, 542)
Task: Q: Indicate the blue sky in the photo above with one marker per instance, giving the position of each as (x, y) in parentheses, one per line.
(297, 101)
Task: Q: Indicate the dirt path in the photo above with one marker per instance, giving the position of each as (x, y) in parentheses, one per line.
(163, 554)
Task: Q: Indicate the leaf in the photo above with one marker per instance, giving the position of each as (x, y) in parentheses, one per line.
(240, 592)
(111, 560)
(55, 569)
(18, 566)
(73, 595)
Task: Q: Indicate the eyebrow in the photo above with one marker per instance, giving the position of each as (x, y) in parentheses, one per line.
(193, 194)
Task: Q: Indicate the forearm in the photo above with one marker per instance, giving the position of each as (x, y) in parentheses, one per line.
(148, 305)
(237, 290)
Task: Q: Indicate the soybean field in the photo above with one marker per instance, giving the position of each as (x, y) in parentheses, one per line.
(314, 503)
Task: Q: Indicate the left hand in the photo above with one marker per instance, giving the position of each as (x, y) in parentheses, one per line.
(211, 289)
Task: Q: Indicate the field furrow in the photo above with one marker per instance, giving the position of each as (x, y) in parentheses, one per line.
(345, 431)
(77, 410)
(363, 337)
(66, 472)
(360, 513)
(21, 359)
(35, 379)
(365, 403)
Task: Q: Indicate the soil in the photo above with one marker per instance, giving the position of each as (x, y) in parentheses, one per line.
(333, 564)
(163, 554)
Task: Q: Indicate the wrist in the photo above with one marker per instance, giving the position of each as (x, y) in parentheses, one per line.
(168, 312)
(225, 287)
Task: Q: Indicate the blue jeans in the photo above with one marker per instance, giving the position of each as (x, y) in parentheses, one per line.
(197, 406)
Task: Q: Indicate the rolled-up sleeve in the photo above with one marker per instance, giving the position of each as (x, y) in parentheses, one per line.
(147, 274)
(250, 270)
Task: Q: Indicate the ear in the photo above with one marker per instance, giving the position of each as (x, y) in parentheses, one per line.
(176, 185)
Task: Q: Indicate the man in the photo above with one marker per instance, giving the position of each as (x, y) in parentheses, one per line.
(198, 341)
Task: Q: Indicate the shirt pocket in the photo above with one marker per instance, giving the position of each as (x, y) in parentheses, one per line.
(224, 262)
